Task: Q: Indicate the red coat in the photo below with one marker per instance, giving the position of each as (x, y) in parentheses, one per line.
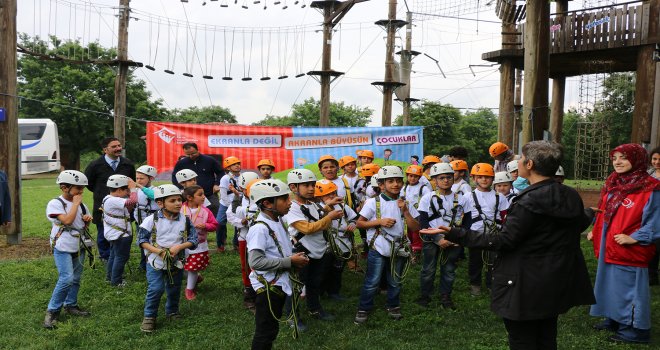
(626, 220)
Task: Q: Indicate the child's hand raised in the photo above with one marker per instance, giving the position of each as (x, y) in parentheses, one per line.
(333, 201)
(77, 199)
(335, 214)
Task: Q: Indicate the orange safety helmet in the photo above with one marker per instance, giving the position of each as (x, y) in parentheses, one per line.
(345, 160)
(415, 170)
(459, 165)
(370, 169)
(497, 148)
(229, 161)
(267, 162)
(326, 157)
(249, 184)
(324, 187)
(431, 160)
(366, 153)
(483, 169)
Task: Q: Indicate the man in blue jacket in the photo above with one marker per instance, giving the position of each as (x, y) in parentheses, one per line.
(208, 172)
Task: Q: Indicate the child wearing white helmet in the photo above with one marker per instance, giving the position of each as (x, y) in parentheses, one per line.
(116, 208)
(68, 235)
(447, 208)
(146, 205)
(187, 178)
(271, 259)
(164, 236)
(240, 215)
(385, 217)
(503, 184)
(306, 225)
(519, 183)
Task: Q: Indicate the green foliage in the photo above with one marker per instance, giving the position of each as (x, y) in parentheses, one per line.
(445, 128)
(87, 87)
(203, 115)
(307, 114)
(569, 140)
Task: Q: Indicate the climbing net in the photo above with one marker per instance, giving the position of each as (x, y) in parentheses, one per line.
(429, 9)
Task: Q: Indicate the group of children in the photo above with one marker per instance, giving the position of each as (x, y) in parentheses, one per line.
(292, 238)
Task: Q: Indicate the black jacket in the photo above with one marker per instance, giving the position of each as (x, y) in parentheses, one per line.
(208, 172)
(540, 271)
(98, 172)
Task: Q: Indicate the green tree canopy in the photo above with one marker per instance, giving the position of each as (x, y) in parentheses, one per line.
(307, 114)
(203, 115)
(80, 97)
(440, 122)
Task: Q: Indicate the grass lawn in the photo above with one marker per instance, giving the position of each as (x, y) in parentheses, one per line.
(217, 320)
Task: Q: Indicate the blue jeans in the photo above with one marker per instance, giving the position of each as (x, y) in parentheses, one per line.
(376, 266)
(120, 251)
(430, 255)
(157, 284)
(101, 243)
(221, 231)
(69, 269)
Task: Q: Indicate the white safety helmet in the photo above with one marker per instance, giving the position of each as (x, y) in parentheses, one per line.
(185, 175)
(501, 177)
(512, 166)
(390, 172)
(441, 168)
(560, 171)
(166, 190)
(117, 181)
(72, 177)
(246, 177)
(268, 189)
(147, 170)
(374, 181)
(299, 176)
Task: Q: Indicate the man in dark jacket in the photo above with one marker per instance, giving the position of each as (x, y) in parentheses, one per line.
(98, 172)
(208, 172)
(540, 271)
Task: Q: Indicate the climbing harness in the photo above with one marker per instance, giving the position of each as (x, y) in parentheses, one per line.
(399, 247)
(85, 240)
(170, 261)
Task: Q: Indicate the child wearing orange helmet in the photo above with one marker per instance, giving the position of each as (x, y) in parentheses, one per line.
(488, 213)
(228, 189)
(427, 163)
(413, 191)
(266, 168)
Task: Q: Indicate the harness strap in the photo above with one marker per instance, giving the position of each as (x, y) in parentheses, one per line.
(123, 230)
(349, 196)
(278, 274)
(482, 216)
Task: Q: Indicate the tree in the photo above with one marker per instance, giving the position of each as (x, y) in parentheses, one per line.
(617, 106)
(203, 115)
(440, 122)
(308, 112)
(80, 97)
(476, 132)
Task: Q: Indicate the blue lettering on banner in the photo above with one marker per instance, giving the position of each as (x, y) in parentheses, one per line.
(245, 141)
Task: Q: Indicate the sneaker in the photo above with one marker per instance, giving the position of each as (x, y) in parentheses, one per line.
(322, 315)
(475, 291)
(173, 316)
(148, 324)
(121, 284)
(190, 294)
(76, 311)
(606, 325)
(361, 317)
(620, 340)
(50, 321)
(394, 313)
(301, 326)
(446, 302)
(423, 302)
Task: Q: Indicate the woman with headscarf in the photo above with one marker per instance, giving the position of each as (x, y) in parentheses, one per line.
(627, 222)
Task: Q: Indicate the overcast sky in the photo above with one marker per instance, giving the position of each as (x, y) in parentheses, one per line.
(169, 34)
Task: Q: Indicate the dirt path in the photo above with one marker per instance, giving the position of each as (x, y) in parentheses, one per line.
(30, 248)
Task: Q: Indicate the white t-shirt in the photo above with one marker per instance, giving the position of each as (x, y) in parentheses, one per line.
(412, 193)
(313, 242)
(145, 206)
(388, 209)
(236, 219)
(117, 225)
(426, 182)
(226, 196)
(69, 241)
(258, 238)
(342, 239)
(461, 187)
(168, 234)
(487, 201)
(443, 205)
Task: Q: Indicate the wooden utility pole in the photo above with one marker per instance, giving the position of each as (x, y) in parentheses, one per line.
(407, 56)
(537, 62)
(558, 86)
(388, 89)
(517, 107)
(333, 11)
(122, 72)
(9, 149)
(507, 82)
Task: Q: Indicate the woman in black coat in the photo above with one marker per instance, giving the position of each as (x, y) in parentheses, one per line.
(540, 271)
